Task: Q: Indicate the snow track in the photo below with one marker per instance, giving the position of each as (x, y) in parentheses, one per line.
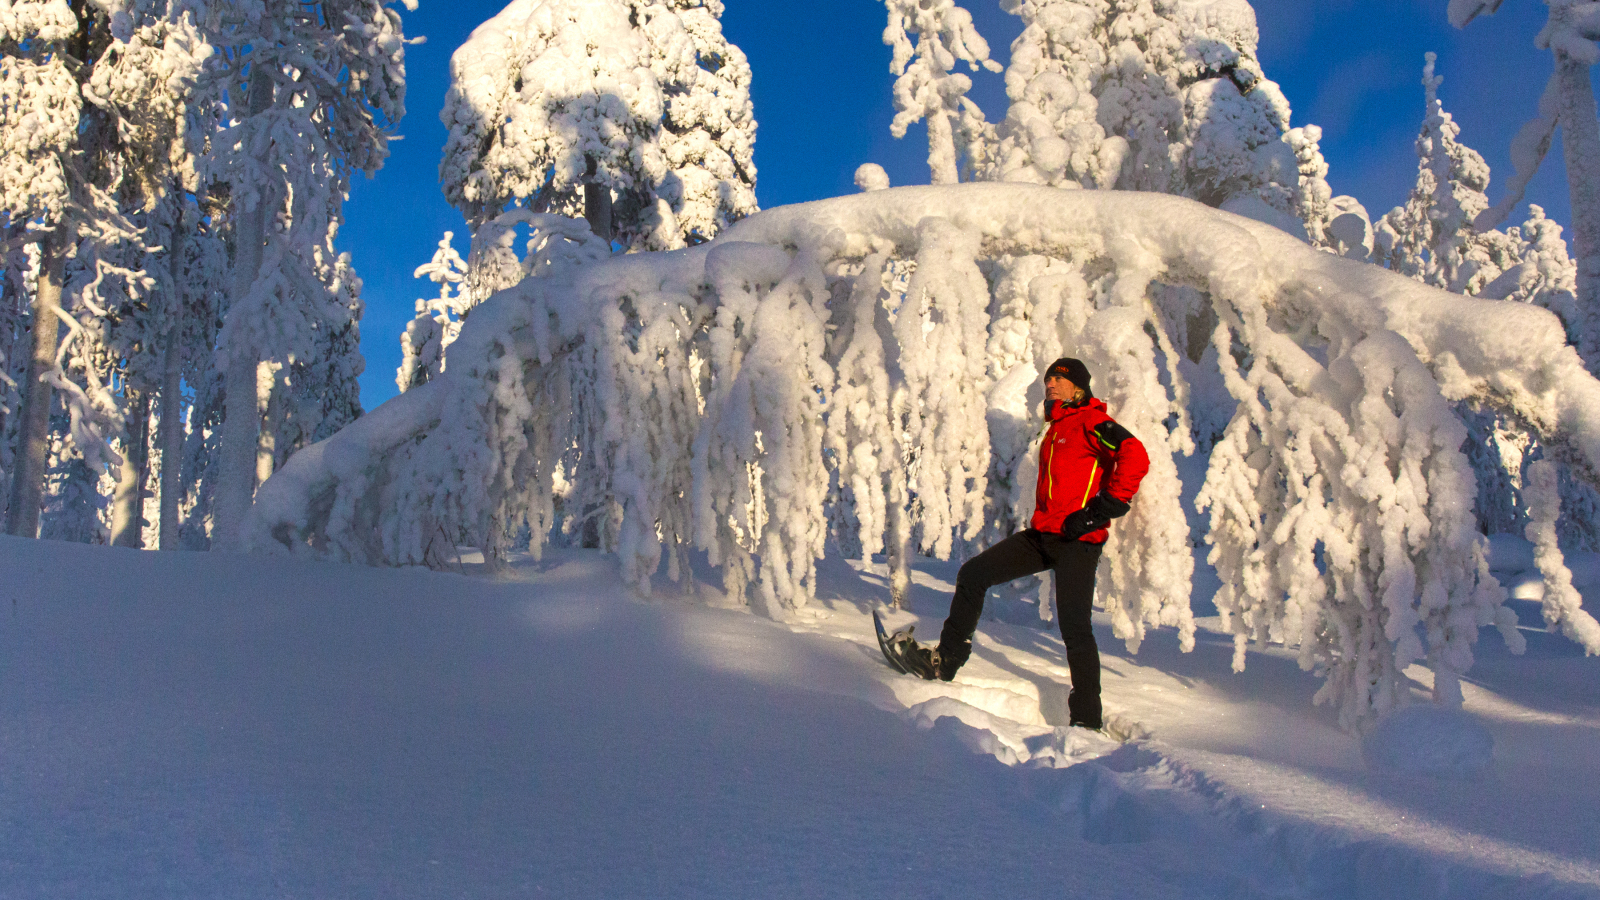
(186, 725)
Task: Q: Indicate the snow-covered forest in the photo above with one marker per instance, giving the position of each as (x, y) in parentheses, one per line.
(1342, 404)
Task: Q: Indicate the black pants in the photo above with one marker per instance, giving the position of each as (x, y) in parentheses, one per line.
(1029, 553)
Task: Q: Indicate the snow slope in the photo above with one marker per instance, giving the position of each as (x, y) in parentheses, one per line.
(188, 725)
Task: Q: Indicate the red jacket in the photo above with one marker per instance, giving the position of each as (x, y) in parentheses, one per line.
(1084, 452)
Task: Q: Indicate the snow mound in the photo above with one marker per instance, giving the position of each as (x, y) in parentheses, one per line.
(1012, 743)
(1585, 569)
(1509, 554)
(1430, 740)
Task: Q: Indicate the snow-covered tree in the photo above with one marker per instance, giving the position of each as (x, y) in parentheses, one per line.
(152, 76)
(633, 114)
(1568, 100)
(311, 89)
(726, 397)
(553, 242)
(94, 115)
(1546, 274)
(708, 134)
(1157, 96)
(1431, 237)
(928, 38)
(438, 320)
(40, 106)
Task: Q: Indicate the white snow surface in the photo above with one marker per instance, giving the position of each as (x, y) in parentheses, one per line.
(217, 725)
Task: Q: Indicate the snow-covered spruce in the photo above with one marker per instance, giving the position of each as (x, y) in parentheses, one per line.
(311, 90)
(100, 101)
(1570, 34)
(1432, 238)
(632, 113)
(1154, 96)
(692, 399)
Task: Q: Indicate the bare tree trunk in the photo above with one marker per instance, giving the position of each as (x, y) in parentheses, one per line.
(171, 435)
(127, 504)
(267, 443)
(33, 438)
(1580, 145)
(597, 204)
(241, 425)
(241, 429)
(897, 542)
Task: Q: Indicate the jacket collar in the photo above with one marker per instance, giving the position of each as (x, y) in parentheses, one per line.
(1055, 411)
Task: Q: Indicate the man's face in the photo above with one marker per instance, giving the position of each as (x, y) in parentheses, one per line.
(1060, 389)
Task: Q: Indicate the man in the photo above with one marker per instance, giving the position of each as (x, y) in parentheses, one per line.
(1089, 469)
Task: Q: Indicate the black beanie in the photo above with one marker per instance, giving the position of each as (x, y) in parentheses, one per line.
(1072, 370)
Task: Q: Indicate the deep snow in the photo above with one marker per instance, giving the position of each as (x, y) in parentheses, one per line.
(207, 725)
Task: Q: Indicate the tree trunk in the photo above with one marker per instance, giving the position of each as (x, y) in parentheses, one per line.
(897, 541)
(241, 425)
(267, 445)
(127, 505)
(171, 437)
(241, 429)
(597, 204)
(1580, 144)
(33, 432)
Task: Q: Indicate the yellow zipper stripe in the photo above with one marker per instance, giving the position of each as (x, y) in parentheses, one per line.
(1049, 482)
(1094, 470)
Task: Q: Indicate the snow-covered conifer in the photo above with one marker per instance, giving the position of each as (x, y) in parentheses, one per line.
(1568, 100)
(311, 90)
(438, 320)
(633, 114)
(1431, 237)
(928, 38)
(553, 243)
(96, 115)
(708, 134)
(1154, 96)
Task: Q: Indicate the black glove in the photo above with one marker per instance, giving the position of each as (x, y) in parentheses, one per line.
(1102, 508)
(1081, 523)
(1105, 506)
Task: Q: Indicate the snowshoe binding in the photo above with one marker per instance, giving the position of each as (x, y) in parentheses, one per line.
(903, 653)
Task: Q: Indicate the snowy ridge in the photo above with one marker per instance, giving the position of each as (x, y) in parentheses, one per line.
(364, 732)
(667, 403)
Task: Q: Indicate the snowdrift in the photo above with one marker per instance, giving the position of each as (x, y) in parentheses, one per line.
(863, 369)
(204, 725)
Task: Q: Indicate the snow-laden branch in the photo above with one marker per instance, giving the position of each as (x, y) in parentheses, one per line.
(869, 364)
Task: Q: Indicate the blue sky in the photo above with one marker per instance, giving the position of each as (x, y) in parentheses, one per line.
(821, 91)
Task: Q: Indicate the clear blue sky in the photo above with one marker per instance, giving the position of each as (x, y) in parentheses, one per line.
(822, 101)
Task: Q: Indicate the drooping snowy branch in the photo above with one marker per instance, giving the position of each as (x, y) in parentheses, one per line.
(927, 40)
(1563, 605)
(697, 400)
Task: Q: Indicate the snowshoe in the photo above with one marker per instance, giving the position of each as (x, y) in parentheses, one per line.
(888, 642)
(903, 653)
